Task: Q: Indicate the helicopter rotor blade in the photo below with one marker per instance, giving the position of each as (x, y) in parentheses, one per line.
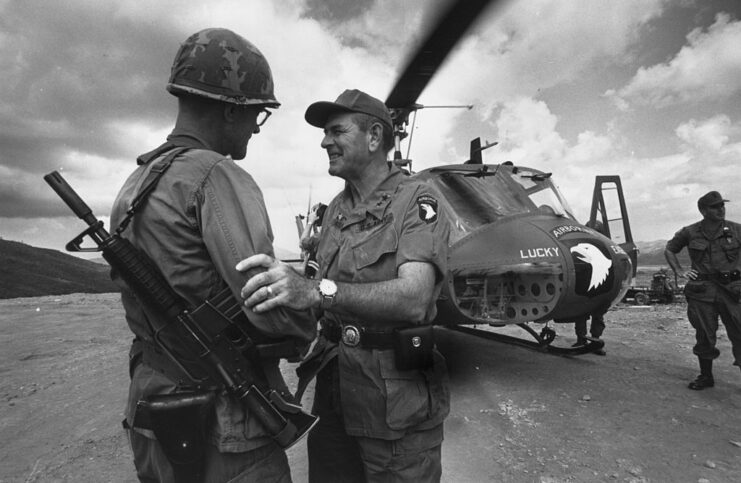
(449, 29)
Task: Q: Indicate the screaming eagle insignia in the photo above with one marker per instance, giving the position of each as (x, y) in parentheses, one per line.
(427, 206)
(600, 264)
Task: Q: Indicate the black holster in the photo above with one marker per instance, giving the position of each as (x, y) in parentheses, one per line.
(413, 347)
(179, 422)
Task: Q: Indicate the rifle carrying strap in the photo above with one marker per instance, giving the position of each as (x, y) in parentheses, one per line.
(224, 301)
(150, 182)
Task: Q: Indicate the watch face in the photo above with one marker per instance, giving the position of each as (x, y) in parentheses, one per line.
(327, 287)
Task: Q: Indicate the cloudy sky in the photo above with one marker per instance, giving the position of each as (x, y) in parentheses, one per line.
(646, 89)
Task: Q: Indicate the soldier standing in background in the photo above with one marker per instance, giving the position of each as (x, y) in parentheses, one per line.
(714, 282)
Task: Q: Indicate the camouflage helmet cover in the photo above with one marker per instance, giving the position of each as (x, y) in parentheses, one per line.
(221, 65)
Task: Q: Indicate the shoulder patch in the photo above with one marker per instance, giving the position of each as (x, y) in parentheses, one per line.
(427, 208)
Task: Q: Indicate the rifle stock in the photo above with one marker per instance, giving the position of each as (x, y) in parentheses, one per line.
(217, 343)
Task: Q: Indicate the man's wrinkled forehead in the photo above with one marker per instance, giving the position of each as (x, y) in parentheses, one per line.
(340, 121)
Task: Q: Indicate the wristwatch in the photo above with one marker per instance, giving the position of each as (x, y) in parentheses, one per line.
(328, 290)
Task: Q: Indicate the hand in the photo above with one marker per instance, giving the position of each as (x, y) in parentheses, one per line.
(312, 218)
(279, 285)
(690, 274)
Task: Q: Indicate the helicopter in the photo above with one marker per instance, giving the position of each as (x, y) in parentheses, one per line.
(517, 254)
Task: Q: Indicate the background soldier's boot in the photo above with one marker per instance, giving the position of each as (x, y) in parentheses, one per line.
(705, 379)
(600, 352)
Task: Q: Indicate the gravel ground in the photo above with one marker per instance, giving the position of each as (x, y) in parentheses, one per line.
(517, 415)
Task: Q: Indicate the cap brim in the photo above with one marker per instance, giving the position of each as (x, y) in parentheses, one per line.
(318, 113)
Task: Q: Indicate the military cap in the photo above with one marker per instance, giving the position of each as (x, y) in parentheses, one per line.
(352, 100)
(710, 199)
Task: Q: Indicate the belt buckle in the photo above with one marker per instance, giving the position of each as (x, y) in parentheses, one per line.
(350, 335)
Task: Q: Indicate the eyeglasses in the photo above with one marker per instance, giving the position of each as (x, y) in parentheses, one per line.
(262, 116)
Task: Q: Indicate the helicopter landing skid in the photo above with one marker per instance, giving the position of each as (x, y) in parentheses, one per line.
(541, 343)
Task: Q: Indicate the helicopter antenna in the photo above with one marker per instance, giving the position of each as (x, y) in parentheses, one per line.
(400, 118)
(409, 144)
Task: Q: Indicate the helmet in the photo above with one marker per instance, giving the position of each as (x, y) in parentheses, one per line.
(221, 65)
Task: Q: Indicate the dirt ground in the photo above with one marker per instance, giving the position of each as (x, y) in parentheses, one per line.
(517, 415)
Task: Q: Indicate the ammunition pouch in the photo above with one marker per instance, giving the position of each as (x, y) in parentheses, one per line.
(179, 422)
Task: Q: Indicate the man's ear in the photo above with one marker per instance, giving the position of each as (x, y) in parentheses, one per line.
(230, 112)
(375, 137)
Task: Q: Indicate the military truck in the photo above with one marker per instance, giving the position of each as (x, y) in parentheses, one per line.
(660, 291)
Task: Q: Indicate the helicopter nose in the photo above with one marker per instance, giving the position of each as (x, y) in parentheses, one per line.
(526, 269)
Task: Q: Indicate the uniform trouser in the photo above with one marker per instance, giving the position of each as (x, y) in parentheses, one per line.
(334, 456)
(704, 318)
(596, 328)
(267, 463)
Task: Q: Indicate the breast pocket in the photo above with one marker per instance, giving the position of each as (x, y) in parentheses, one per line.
(697, 249)
(731, 247)
(372, 248)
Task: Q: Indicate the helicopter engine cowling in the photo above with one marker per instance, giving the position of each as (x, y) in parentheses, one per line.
(531, 267)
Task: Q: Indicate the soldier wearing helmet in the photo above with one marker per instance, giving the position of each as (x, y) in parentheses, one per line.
(204, 215)
(713, 288)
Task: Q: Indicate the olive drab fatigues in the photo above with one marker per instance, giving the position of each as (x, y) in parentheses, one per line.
(204, 216)
(369, 410)
(715, 293)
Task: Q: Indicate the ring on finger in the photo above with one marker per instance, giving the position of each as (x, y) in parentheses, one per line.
(270, 291)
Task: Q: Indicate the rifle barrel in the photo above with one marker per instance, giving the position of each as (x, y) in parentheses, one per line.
(69, 196)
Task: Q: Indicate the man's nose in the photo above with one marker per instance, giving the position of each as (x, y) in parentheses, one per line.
(326, 141)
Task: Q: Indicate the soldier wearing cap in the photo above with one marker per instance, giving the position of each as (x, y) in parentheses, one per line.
(381, 388)
(204, 215)
(713, 288)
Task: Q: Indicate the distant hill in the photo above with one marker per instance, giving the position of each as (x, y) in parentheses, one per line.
(652, 253)
(27, 271)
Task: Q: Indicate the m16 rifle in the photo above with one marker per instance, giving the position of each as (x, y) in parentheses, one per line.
(218, 347)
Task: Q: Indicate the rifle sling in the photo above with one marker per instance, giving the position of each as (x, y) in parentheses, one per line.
(149, 352)
(150, 182)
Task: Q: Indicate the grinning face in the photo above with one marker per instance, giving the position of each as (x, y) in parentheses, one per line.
(347, 147)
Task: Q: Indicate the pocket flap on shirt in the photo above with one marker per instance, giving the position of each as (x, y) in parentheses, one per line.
(370, 250)
(698, 245)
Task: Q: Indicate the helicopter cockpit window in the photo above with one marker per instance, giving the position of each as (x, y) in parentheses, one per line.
(548, 203)
(477, 200)
(542, 192)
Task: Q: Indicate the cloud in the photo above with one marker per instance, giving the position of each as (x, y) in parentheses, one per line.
(709, 134)
(527, 133)
(707, 68)
(660, 191)
(83, 91)
(523, 48)
(713, 147)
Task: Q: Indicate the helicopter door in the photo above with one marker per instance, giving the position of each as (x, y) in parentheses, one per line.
(608, 208)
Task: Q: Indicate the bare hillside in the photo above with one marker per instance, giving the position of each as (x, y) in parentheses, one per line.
(32, 272)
